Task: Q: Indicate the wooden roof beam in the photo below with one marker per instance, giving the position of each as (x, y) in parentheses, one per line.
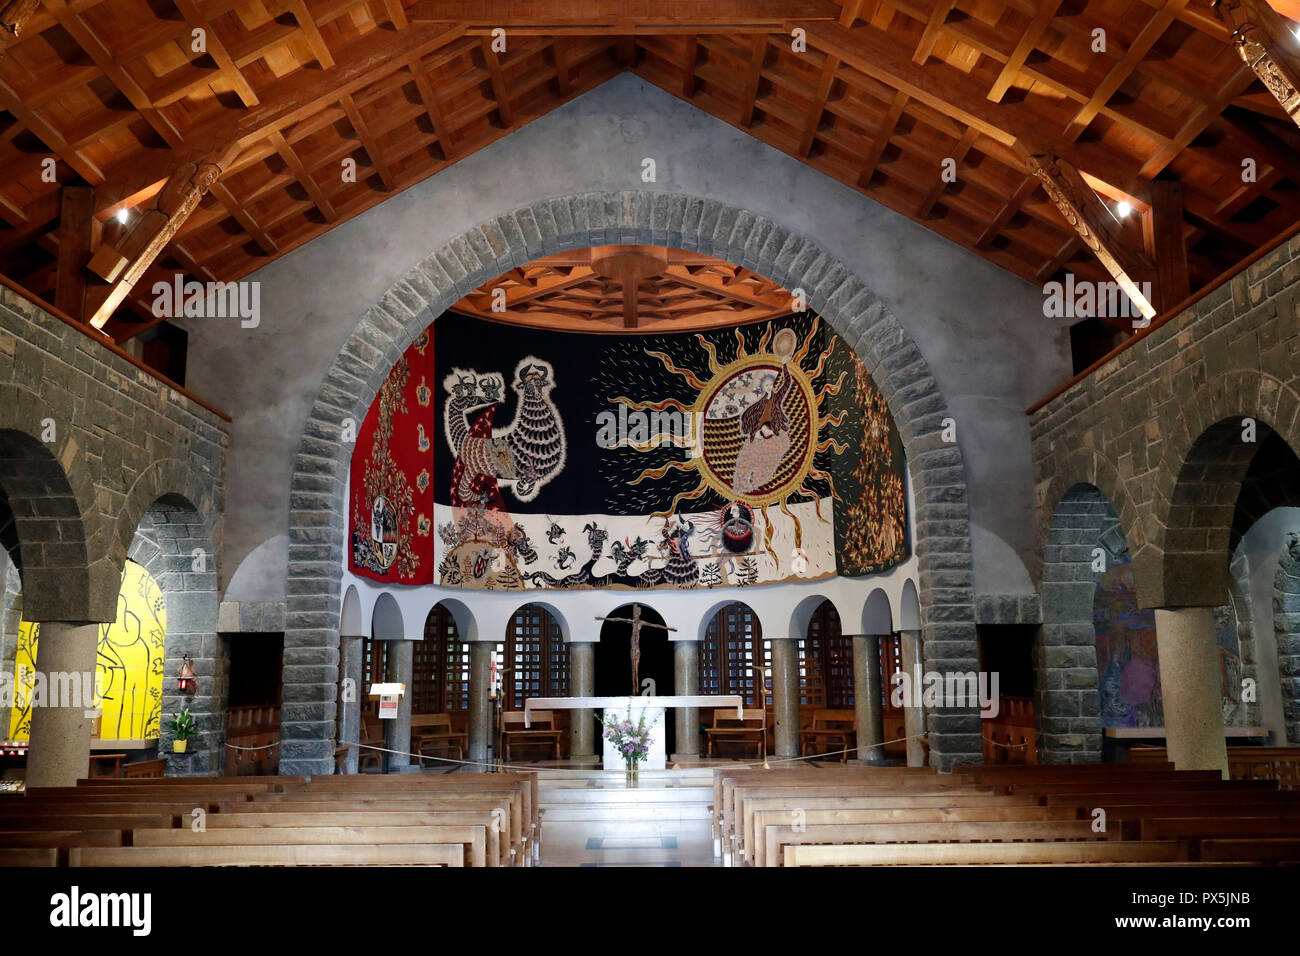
(933, 27)
(1268, 43)
(958, 156)
(216, 49)
(1083, 209)
(753, 78)
(625, 17)
(1163, 233)
(824, 84)
(123, 266)
(871, 159)
(1045, 14)
(14, 15)
(500, 92)
(367, 139)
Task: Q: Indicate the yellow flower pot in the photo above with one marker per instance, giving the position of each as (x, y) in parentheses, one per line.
(178, 746)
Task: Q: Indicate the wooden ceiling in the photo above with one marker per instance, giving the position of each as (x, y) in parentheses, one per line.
(114, 93)
(591, 291)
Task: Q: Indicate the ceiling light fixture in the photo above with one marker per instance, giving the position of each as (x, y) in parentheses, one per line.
(122, 216)
(1123, 209)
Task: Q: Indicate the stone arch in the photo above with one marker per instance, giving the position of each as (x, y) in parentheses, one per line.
(1184, 560)
(803, 612)
(386, 619)
(1286, 624)
(592, 219)
(47, 489)
(909, 608)
(172, 541)
(1087, 466)
(463, 615)
(351, 620)
(877, 618)
(1066, 690)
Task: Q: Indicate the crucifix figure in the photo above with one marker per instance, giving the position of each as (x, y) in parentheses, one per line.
(637, 623)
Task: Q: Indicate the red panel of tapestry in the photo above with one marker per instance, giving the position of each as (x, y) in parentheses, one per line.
(390, 515)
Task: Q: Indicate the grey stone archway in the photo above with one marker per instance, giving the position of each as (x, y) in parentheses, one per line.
(317, 515)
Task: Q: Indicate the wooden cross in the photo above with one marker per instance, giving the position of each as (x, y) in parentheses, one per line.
(637, 623)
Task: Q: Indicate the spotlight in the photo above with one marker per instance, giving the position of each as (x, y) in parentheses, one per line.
(1123, 209)
(122, 216)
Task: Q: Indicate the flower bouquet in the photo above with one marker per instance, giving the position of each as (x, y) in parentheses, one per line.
(632, 740)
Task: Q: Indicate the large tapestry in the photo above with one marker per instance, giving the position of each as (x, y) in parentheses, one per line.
(128, 670)
(750, 455)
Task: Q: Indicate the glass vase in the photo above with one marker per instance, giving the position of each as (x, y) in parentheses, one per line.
(630, 771)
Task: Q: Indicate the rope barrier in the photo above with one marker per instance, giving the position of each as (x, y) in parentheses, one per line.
(534, 768)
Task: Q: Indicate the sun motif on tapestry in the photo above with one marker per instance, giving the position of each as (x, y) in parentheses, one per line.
(758, 425)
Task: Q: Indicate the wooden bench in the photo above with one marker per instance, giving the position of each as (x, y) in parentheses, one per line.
(749, 728)
(830, 730)
(434, 731)
(472, 837)
(358, 855)
(144, 769)
(541, 730)
(987, 854)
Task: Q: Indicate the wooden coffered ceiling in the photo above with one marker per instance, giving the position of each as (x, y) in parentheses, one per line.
(622, 288)
(1014, 92)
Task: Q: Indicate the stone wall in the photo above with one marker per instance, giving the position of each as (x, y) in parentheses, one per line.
(88, 443)
(166, 544)
(1160, 429)
(317, 516)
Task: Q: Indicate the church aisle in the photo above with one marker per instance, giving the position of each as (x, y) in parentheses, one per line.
(594, 818)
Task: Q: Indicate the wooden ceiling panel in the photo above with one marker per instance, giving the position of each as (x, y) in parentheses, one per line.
(113, 91)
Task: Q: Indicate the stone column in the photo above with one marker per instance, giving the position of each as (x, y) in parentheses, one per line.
(867, 701)
(914, 716)
(785, 696)
(59, 754)
(350, 697)
(1192, 689)
(480, 704)
(400, 669)
(582, 683)
(686, 683)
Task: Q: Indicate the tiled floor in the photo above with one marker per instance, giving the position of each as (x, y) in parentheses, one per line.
(593, 818)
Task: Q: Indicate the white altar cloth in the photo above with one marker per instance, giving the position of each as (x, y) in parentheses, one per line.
(652, 708)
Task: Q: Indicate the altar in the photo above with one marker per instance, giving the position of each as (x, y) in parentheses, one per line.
(652, 708)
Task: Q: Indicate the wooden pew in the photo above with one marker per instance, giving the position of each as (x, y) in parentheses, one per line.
(429, 731)
(29, 856)
(428, 854)
(473, 839)
(976, 854)
(778, 838)
(763, 819)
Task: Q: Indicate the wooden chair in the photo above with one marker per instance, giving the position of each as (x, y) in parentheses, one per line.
(751, 728)
(372, 733)
(831, 730)
(106, 765)
(144, 768)
(434, 732)
(541, 729)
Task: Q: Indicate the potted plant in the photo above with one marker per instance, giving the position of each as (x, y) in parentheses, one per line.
(182, 730)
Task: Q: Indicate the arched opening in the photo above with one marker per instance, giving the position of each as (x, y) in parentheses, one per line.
(848, 308)
(613, 658)
(735, 660)
(173, 543)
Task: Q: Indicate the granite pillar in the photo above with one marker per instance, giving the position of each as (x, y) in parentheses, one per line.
(480, 701)
(785, 696)
(686, 683)
(914, 716)
(1192, 688)
(400, 669)
(867, 701)
(582, 683)
(351, 694)
(63, 716)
